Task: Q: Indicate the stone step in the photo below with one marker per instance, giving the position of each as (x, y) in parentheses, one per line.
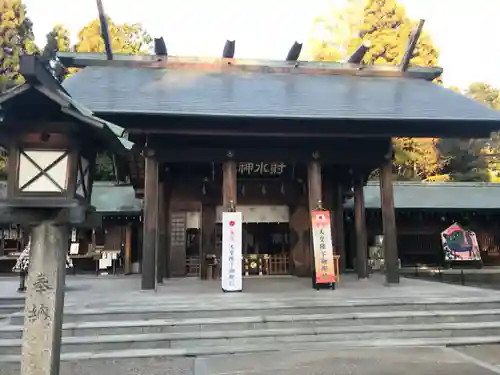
(276, 337)
(12, 301)
(98, 328)
(192, 311)
(245, 349)
(12, 308)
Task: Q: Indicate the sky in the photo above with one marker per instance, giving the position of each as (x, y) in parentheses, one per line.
(462, 29)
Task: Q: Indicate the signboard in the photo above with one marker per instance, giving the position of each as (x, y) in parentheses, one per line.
(232, 278)
(260, 168)
(323, 248)
(459, 244)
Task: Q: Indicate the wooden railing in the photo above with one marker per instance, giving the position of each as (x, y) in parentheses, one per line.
(193, 266)
(266, 264)
(279, 264)
(258, 265)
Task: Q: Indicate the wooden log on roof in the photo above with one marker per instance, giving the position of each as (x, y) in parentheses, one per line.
(229, 49)
(294, 52)
(104, 30)
(412, 44)
(359, 54)
(160, 47)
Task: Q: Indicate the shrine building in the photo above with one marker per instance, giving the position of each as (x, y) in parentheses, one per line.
(275, 138)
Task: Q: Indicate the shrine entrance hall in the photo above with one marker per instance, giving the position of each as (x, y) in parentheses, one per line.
(274, 140)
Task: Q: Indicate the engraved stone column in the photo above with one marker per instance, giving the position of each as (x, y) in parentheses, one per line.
(44, 300)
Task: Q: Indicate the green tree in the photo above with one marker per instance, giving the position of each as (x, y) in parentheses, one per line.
(386, 26)
(484, 93)
(383, 23)
(333, 30)
(58, 40)
(16, 39)
(466, 159)
(490, 96)
(129, 39)
(416, 158)
(104, 168)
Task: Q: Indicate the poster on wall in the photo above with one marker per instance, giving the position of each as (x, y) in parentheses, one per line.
(323, 248)
(232, 277)
(459, 244)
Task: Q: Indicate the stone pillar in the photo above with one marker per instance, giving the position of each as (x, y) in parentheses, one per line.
(149, 239)
(43, 311)
(314, 197)
(360, 225)
(339, 226)
(389, 224)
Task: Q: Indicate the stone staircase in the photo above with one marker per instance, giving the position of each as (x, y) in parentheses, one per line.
(9, 306)
(227, 324)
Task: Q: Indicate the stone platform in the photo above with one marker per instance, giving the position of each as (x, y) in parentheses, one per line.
(104, 290)
(188, 323)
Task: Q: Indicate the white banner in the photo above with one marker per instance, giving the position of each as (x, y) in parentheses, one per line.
(232, 277)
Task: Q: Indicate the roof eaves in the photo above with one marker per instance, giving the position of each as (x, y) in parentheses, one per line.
(119, 145)
(13, 92)
(113, 133)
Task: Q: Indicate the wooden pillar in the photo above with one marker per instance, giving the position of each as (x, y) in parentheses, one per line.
(128, 250)
(360, 225)
(389, 223)
(314, 197)
(160, 235)
(228, 184)
(165, 225)
(43, 311)
(208, 222)
(339, 226)
(149, 238)
(93, 240)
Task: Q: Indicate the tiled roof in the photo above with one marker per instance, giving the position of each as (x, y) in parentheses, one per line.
(110, 198)
(260, 94)
(106, 197)
(458, 195)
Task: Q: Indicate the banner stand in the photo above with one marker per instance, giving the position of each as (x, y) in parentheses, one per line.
(324, 276)
(232, 273)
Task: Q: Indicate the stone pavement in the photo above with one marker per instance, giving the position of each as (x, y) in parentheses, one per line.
(394, 361)
(92, 291)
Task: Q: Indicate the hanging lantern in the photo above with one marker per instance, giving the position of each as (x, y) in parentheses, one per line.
(263, 189)
(243, 189)
(282, 188)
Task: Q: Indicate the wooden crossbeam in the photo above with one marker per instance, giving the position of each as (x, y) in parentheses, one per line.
(208, 64)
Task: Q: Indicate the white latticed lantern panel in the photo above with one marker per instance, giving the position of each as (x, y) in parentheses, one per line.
(43, 171)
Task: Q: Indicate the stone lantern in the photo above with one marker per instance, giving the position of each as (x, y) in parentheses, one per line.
(52, 143)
